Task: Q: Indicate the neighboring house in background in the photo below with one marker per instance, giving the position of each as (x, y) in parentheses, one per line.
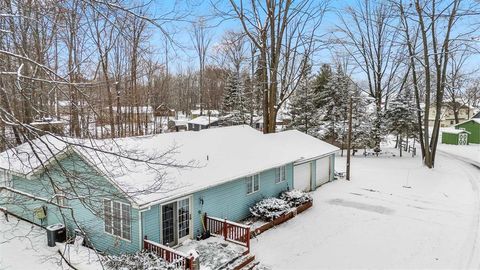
(202, 122)
(455, 136)
(282, 121)
(473, 128)
(196, 113)
(178, 124)
(50, 125)
(164, 111)
(235, 167)
(447, 117)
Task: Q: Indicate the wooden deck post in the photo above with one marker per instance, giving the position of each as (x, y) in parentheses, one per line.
(248, 241)
(205, 225)
(225, 229)
(145, 243)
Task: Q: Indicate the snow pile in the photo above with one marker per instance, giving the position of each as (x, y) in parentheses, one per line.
(270, 208)
(295, 197)
(137, 261)
(214, 252)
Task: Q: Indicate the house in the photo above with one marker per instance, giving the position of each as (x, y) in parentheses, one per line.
(116, 207)
(163, 110)
(447, 117)
(455, 136)
(472, 126)
(196, 113)
(50, 125)
(202, 122)
(177, 125)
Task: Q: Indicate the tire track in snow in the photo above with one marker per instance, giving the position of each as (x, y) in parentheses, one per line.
(469, 167)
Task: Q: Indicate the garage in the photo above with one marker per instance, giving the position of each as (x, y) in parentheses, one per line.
(301, 176)
(322, 171)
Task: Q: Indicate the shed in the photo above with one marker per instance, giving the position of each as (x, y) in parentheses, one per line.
(455, 136)
(473, 127)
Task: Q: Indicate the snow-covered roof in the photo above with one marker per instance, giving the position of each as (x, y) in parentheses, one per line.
(476, 120)
(454, 131)
(203, 120)
(205, 112)
(220, 155)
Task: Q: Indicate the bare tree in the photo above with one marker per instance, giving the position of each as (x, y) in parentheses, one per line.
(201, 41)
(283, 32)
(436, 23)
(368, 32)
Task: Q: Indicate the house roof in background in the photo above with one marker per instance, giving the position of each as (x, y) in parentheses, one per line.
(476, 120)
(454, 131)
(203, 120)
(219, 155)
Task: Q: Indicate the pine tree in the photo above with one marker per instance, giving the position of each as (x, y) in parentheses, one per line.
(333, 100)
(320, 83)
(234, 101)
(401, 117)
(305, 117)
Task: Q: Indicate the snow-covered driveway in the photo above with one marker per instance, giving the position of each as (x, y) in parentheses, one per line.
(394, 213)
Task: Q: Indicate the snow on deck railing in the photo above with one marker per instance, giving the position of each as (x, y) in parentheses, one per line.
(172, 256)
(231, 231)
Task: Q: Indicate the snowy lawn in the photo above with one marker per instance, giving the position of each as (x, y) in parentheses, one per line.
(213, 252)
(393, 214)
(24, 246)
(470, 152)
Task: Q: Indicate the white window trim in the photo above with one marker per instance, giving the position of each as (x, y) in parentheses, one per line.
(6, 181)
(251, 178)
(283, 174)
(190, 197)
(121, 219)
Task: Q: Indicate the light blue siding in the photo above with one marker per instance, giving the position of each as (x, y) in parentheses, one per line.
(151, 223)
(87, 214)
(231, 201)
(313, 174)
(332, 167)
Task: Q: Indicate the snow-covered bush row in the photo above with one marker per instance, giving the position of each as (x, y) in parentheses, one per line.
(137, 261)
(269, 208)
(295, 197)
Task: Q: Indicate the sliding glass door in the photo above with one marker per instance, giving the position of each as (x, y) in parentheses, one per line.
(176, 222)
(168, 224)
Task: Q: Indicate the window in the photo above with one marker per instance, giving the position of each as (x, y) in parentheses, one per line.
(253, 184)
(117, 218)
(5, 178)
(6, 181)
(60, 196)
(280, 174)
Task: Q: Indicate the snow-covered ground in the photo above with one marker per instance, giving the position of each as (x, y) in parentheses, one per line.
(394, 213)
(214, 252)
(469, 152)
(24, 246)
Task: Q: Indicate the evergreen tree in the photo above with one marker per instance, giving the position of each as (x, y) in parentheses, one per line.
(320, 83)
(334, 101)
(302, 107)
(233, 105)
(401, 117)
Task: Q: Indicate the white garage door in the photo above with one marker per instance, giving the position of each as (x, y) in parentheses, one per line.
(301, 176)
(322, 172)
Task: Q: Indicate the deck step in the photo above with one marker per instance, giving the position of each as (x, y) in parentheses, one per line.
(243, 262)
(238, 263)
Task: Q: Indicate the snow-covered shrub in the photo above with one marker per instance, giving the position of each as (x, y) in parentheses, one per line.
(295, 197)
(269, 208)
(137, 261)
